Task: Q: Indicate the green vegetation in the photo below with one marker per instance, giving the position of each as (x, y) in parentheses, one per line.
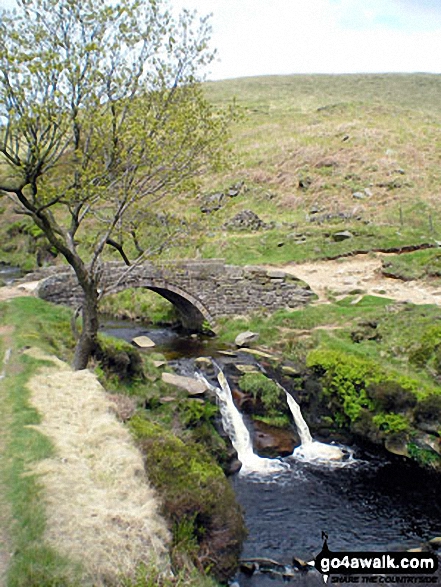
(136, 303)
(197, 499)
(303, 147)
(423, 456)
(314, 155)
(204, 517)
(417, 265)
(35, 564)
(270, 404)
(38, 323)
(285, 245)
(119, 359)
(96, 168)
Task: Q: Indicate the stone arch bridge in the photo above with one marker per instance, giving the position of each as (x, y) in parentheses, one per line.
(202, 290)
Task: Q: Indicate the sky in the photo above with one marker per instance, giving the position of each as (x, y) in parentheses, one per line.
(262, 37)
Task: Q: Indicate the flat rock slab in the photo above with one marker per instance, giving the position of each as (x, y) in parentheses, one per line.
(227, 353)
(246, 338)
(342, 235)
(247, 368)
(159, 364)
(258, 353)
(190, 385)
(143, 342)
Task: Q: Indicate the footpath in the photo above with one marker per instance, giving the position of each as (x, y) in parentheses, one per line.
(100, 508)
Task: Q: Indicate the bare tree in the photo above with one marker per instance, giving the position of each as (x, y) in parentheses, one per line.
(101, 116)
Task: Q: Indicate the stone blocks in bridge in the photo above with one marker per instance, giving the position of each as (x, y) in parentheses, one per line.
(201, 290)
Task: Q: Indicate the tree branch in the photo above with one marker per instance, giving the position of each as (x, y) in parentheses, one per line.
(120, 250)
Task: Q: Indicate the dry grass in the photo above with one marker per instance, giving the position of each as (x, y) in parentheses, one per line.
(100, 509)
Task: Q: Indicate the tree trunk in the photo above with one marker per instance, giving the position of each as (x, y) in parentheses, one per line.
(88, 340)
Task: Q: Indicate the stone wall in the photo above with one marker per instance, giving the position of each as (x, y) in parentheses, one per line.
(201, 290)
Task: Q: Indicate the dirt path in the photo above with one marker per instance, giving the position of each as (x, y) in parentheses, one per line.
(100, 507)
(101, 510)
(362, 272)
(15, 291)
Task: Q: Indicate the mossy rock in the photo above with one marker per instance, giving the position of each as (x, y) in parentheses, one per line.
(198, 501)
(270, 398)
(119, 358)
(428, 413)
(390, 396)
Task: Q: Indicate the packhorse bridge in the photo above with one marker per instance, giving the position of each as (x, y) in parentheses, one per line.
(202, 290)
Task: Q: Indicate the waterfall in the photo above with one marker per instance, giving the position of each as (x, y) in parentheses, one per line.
(301, 425)
(234, 426)
(311, 450)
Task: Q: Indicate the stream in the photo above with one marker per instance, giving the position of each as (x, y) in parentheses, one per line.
(9, 274)
(374, 503)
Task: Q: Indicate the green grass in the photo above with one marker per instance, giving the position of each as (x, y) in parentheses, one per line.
(38, 323)
(35, 564)
(140, 303)
(378, 363)
(416, 265)
(399, 339)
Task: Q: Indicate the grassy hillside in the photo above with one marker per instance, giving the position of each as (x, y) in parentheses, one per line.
(303, 147)
(307, 144)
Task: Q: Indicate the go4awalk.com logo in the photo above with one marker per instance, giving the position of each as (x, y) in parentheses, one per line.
(382, 567)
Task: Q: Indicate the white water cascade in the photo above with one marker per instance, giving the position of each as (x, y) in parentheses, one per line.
(311, 450)
(234, 426)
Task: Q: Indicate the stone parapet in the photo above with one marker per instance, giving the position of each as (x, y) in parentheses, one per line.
(202, 290)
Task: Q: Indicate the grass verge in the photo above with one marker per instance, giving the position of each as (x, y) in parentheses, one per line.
(34, 563)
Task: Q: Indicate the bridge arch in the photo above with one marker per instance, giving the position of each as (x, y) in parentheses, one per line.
(192, 312)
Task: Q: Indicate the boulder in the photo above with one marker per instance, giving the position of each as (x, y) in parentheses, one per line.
(261, 354)
(272, 442)
(246, 338)
(159, 364)
(190, 385)
(342, 235)
(167, 399)
(435, 543)
(246, 220)
(204, 364)
(143, 342)
(301, 565)
(290, 371)
(227, 353)
(235, 189)
(212, 203)
(305, 183)
(233, 467)
(397, 446)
